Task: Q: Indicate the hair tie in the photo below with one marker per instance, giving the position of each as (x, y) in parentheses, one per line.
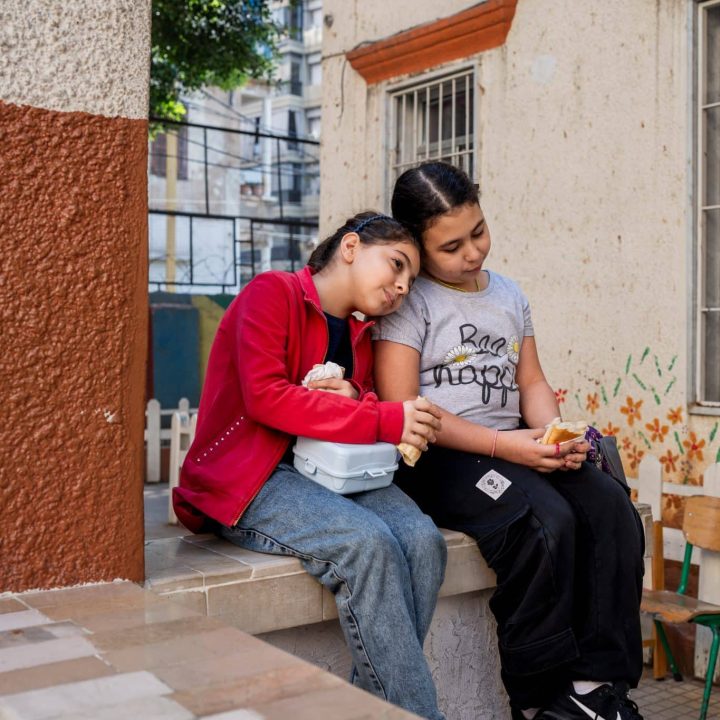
(367, 221)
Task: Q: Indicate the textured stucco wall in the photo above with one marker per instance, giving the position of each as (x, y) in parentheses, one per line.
(584, 134)
(73, 295)
(76, 55)
(461, 649)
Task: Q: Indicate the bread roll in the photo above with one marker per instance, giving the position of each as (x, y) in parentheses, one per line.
(410, 454)
(558, 431)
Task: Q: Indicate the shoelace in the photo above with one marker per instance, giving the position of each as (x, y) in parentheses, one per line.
(627, 703)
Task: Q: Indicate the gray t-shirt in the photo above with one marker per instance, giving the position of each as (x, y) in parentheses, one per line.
(469, 345)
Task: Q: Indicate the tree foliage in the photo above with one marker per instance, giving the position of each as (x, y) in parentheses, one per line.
(198, 43)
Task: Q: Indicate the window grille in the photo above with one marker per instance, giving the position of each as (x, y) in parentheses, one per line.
(708, 207)
(434, 120)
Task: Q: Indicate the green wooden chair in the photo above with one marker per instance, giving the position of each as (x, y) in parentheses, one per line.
(701, 527)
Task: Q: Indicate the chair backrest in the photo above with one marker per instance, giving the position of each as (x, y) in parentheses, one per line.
(701, 524)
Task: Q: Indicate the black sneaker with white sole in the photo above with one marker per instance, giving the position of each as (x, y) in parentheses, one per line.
(628, 708)
(606, 702)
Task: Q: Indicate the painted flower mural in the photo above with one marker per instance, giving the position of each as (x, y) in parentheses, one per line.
(593, 402)
(610, 429)
(632, 410)
(656, 430)
(694, 447)
(668, 461)
(635, 407)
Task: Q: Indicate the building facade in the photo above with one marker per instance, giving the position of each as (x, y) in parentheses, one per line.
(594, 134)
(242, 157)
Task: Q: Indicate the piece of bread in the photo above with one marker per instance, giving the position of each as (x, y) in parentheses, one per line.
(558, 431)
(410, 454)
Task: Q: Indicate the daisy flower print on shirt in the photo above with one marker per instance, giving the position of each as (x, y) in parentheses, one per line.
(513, 349)
(459, 356)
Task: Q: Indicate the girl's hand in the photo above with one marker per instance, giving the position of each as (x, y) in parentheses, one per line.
(421, 420)
(577, 456)
(334, 385)
(521, 447)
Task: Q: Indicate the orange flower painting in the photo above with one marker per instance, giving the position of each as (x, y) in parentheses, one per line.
(657, 431)
(694, 447)
(593, 402)
(632, 410)
(668, 460)
(610, 429)
(560, 395)
(675, 416)
(635, 456)
(626, 443)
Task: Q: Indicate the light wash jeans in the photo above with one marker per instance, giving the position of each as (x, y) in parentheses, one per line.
(382, 558)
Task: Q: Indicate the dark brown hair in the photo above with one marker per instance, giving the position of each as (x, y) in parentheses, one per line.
(425, 192)
(371, 227)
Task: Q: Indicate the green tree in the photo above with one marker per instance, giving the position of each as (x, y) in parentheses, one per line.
(198, 43)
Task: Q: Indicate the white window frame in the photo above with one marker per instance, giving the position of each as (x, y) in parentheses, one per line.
(466, 74)
(701, 403)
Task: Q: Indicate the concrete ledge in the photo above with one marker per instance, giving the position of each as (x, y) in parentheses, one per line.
(261, 593)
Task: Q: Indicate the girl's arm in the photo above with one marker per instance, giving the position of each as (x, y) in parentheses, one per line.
(538, 405)
(273, 398)
(397, 377)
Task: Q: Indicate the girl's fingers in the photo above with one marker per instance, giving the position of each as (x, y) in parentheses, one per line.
(428, 419)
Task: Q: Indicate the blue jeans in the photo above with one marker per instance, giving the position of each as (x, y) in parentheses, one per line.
(382, 559)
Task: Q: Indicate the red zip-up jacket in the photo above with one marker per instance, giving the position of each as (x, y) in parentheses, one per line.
(253, 401)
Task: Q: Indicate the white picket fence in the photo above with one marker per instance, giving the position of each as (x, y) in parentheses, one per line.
(155, 434)
(182, 432)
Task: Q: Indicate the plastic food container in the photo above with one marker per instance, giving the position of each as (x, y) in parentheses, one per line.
(345, 467)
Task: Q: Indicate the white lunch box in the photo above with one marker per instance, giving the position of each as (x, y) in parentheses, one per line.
(345, 467)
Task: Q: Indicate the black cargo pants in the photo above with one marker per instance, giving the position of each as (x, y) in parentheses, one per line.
(567, 549)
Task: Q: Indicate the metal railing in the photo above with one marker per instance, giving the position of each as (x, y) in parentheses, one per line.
(225, 204)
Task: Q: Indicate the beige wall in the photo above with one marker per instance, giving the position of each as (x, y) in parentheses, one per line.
(584, 136)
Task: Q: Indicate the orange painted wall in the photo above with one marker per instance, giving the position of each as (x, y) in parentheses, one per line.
(73, 302)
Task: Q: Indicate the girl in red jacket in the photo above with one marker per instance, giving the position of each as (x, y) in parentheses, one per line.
(381, 557)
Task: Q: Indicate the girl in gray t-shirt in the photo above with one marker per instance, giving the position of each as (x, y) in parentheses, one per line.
(562, 536)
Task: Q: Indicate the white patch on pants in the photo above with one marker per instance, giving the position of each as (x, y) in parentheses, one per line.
(494, 484)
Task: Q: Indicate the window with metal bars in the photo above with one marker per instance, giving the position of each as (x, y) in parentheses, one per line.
(434, 120)
(708, 204)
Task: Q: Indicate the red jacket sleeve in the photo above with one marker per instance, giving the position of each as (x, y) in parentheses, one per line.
(261, 341)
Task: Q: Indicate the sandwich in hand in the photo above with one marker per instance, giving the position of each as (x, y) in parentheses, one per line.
(558, 432)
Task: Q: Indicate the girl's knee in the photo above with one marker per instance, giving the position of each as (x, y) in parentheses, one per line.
(378, 544)
(423, 542)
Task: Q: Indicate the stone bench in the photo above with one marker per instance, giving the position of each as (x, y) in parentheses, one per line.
(273, 598)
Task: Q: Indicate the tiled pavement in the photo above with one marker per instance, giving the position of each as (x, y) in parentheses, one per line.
(670, 700)
(114, 651)
(664, 700)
